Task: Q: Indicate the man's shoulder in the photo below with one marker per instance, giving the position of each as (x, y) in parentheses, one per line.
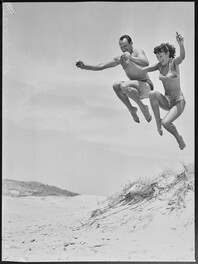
(138, 50)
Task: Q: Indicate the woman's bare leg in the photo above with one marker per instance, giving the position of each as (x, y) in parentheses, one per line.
(157, 100)
(172, 115)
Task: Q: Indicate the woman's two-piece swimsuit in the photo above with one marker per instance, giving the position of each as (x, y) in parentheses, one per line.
(172, 99)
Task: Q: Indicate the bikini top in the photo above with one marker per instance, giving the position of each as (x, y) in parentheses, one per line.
(171, 74)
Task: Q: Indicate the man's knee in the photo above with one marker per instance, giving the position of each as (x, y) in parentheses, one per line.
(124, 88)
(153, 94)
(116, 86)
(129, 90)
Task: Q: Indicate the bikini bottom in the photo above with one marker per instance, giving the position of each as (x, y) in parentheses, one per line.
(173, 100)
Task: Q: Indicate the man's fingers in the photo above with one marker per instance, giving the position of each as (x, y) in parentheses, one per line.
(78, 63)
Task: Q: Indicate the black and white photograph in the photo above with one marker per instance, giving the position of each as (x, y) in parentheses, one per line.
(98, 131)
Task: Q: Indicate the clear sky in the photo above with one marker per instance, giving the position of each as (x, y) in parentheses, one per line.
(65, 126)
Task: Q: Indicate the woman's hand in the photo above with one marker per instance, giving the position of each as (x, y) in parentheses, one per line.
(179, 39)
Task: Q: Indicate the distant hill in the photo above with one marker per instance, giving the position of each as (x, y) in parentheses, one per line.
(23, 188)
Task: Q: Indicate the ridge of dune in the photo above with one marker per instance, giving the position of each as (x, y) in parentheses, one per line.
(156, 217)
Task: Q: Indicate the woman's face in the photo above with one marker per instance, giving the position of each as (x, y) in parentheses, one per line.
(163, 57)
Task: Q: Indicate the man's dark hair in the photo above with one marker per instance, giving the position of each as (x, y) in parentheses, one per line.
(165, 47)
(127, 37)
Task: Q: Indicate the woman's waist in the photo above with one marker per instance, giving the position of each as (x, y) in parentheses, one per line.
(172, 83)
(174, 94)
(171, 89)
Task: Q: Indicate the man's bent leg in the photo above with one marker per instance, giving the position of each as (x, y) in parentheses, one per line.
(123, 97)
(131, 88)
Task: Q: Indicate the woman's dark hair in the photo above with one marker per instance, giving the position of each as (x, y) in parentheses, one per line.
(127, 37)
(165, 47)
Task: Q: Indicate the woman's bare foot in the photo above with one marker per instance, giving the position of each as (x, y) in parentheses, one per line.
(159, 127)
(134, 115)
(181, 142)
(146, 113)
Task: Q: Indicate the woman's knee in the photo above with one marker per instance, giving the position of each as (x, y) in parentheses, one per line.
(165, 123)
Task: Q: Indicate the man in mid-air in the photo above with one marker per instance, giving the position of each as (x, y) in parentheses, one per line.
(139, 84)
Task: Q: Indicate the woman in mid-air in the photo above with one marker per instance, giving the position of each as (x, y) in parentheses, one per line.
(173, 101)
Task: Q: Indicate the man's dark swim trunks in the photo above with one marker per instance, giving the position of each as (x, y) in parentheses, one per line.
(149, 82)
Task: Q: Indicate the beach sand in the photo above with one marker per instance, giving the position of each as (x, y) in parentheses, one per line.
(65, 229)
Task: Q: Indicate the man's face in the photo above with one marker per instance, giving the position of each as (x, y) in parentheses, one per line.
(163, 57)
(125, 45)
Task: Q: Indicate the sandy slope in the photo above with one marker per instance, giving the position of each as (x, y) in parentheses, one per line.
(37, 229)
(157, 227)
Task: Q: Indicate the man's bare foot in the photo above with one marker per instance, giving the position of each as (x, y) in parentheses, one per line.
(181, 142)
(134, 115)
(160, 132)
(146, 113)
(159, 127)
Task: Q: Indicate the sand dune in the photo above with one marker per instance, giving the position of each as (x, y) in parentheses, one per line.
(145, 221)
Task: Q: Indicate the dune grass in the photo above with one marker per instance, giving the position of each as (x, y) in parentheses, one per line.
(169, 186)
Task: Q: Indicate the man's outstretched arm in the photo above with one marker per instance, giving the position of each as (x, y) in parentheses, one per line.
(98, 67)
